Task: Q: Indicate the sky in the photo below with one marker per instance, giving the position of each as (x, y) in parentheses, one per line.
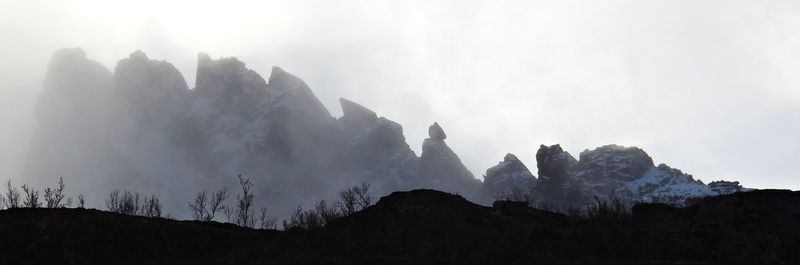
(709, 87)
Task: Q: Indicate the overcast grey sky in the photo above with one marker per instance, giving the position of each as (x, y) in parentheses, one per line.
(710, 87)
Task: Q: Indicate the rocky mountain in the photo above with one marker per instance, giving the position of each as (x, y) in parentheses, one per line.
(141, 127)
(627, 173)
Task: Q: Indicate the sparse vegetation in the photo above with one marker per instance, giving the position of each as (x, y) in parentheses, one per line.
(81, 201)
(353, 199)
(54, 198)
(12, 197)
(31, 199)
(266, 221)
(611, 208)
(245, 216)
(151, 207)
(204, 208)
(515, 196)
(129, 203)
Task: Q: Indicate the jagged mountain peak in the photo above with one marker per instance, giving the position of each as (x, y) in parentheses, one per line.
(553, 161)
(509, 176)
(510, 161)
(355, 115)
(149, 89)
(287, 91)
(138, 55)
(616, 162)
(229, 84)
(435, 132)
(67, 55)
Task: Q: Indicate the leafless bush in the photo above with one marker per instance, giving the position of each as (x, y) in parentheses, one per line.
(11, 198)
(125, 203)
(515, 196)
(354, 199)
(266, 221)
(574, 212)
(326, 214)
(54, 198)
(131, 203)
(31, 197)
(81, 201)
(612, 208)
(364, 198)
(303, 219)
(244, 215)
(151, 207)
(204, 208)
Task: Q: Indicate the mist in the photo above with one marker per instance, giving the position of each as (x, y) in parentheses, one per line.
(704, 86)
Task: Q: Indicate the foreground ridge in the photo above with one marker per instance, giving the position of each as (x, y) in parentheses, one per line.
(426, 226)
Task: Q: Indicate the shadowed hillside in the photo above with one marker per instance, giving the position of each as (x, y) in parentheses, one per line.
(426, 227)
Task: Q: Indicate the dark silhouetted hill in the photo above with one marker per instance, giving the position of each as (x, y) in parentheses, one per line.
(426, 227)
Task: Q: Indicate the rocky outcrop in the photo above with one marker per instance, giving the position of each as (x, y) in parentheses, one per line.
(509, 178)
(436, 133)
(229, 85)
(627, 173)
(554, 163)
(378, 148)
(440, 168)
(613, 162)
(151, 91)
(726, 187)
(75, 129)
(355, 116)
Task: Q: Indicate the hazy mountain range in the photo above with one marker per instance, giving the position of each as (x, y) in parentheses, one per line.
(141, 127)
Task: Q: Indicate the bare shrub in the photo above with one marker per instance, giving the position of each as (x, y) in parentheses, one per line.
(204, 208)
(54, 198)
(515, 196)
(244, 215)
(123, 202)
(81, 201)
(364, 199)
(347, 204)
(354, 199)
(303, 219)
(326, 214)
(574, 212)
(612, 208)
(132, 203)
(12, 197)
(151, 207)
(31, 197)
(266, 221)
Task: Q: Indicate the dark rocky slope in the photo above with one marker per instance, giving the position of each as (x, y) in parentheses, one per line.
(426, 227)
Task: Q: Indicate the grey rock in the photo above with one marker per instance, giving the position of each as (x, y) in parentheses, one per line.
(355, 115)
(436, 133)
(509, 177)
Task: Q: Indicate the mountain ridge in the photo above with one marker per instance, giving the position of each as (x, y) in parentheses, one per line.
(144, 127)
